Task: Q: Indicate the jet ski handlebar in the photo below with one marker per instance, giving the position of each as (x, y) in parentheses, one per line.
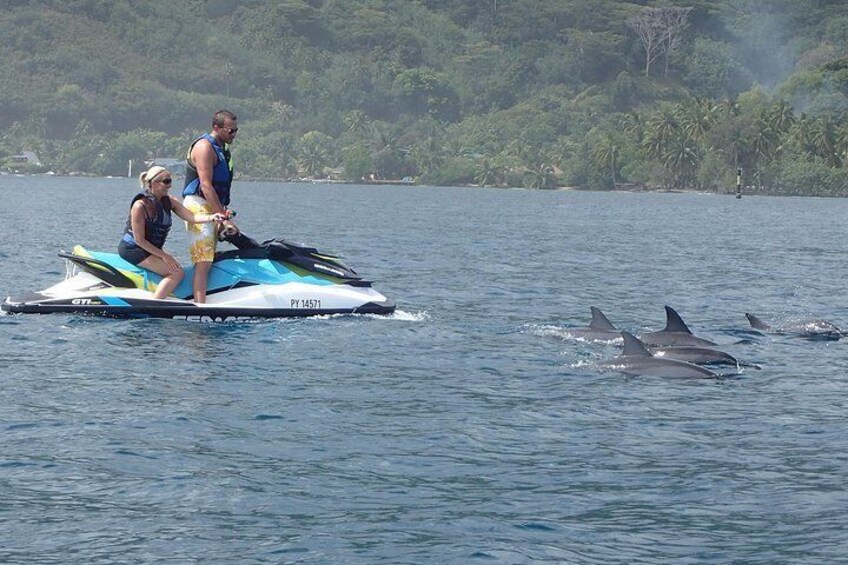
(228, 231)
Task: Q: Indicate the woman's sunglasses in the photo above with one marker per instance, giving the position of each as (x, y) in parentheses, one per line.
(166, 181)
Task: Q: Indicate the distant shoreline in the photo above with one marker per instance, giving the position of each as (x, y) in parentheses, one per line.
(623, 188)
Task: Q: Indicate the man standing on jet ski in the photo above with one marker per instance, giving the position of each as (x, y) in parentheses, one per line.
(209, 176)
(147, 228)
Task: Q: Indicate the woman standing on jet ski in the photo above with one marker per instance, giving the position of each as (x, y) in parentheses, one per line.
(148, 225)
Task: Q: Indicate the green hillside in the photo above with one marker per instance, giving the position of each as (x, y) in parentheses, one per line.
(539, 93)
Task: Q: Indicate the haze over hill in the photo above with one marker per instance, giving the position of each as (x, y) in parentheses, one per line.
(537, 93)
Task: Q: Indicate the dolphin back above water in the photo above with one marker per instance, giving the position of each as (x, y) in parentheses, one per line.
(696, 355)
(810, 329)
(600, 322)
(675, 334)
(599, 329)
(637, 360)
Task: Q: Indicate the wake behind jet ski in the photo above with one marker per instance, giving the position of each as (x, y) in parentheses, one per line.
(273, 279)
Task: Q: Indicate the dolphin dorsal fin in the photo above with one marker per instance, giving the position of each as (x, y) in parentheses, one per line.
(673, 321)
(600, 322)
(632, 346)
(756, 323)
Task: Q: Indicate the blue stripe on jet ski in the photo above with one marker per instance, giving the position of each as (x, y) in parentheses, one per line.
(114, 301)
(224, 274)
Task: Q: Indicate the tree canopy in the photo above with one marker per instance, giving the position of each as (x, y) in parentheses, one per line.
(540, 93)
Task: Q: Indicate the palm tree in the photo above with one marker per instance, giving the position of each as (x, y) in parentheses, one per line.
(562, 151)
(633, 124)
(803, 136)
(696, 118)
(428, 153)
(781, 118)
(519, 152)
(455, 146)
(356, 121)
(487, 173)
(289, 166)
(606, 152)
(314, 153)
(682, 158)
(387, 150)
(728, 108)
(541, 176)
(283, 112)
(538, 173)
(826, 140)
(382, 139)
(662, 128)
(764, 142)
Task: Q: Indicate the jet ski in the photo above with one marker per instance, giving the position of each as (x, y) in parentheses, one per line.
(274, 279)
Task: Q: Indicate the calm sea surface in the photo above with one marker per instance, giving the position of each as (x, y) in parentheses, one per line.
(466, 428)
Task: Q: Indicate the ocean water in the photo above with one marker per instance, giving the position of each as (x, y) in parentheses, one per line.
(466, 428)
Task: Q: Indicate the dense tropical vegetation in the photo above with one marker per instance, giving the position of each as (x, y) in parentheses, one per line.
(537, 93)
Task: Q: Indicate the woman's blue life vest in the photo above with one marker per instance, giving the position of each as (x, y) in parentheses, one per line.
(222, 174)
(156, 228)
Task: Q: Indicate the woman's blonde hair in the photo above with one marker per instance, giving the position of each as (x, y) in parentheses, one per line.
(147, 176)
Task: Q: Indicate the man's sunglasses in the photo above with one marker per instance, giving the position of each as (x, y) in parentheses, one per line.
(231, 130)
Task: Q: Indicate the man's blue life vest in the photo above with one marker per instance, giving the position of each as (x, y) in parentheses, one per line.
(222, 174)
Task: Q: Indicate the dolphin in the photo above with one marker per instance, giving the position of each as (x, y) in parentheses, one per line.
(696, 355)
(810, 329)
(599, 329)
(637, 360)
(675, 334)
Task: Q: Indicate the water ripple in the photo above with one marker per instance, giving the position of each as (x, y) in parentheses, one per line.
(467, 427)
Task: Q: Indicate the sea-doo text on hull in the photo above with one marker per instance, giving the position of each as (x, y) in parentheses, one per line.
(274, 279)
